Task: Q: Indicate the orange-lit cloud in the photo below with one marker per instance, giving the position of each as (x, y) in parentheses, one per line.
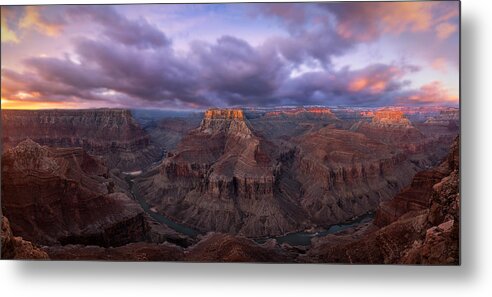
(371, 19)
(357, 84)
(440, 64)
(7, 34)
(444, 30)
(32, 19)
(434, 92)
(26, 104)
(366, 21)
(378, 87)
(374, 82)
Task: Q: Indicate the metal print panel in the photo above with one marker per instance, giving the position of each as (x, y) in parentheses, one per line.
(244, 132)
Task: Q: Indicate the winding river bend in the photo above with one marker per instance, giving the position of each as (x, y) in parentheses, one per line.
(302, 238)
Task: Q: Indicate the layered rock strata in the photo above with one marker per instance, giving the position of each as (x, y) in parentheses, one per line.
(63, 195)
(225, 177)
(110, 133)
(221, 178)
(14, 247)
(426, 236)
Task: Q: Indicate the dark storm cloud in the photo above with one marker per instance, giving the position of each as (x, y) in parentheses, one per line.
(312, 32)
(234, 70)
(103, 66)
(225, 73)
(138, 33)
(373, 85)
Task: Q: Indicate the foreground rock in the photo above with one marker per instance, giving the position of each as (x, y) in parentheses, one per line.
(110, 133)
(140, 251)
(229, 248)
(426, 236)
(16, 248)
(63, 195)
(213, 247)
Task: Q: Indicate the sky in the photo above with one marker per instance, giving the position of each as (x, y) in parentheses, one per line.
(194, 56)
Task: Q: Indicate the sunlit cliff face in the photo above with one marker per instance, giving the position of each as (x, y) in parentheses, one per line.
(227, 55)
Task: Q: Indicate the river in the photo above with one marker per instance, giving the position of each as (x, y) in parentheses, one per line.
(302, 238)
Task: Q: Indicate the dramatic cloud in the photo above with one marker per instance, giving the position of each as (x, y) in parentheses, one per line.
(233, 69)
(44, 23)
(7, 34)
(371, 86)
(158, 75)
(138, 33)
(431, 93)
(445, 30)
(368, 20)
(118, 57)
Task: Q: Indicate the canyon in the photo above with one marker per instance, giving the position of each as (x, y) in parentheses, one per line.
(112, 134)
(227, 183)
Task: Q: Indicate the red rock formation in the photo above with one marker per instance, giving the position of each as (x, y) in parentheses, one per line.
(110, 133)
(17, 248)
(393, 129)
(224, 177)
(290, 122)
(414, 198)
(428, 236)
(343, 174)
(303, 113)
(64, 195)
(228, 248)
(139, 251)
(213, 247)
(223, 114)
(220, 178)
(390, 117)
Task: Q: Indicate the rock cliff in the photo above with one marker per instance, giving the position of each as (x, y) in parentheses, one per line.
(392, 128)
(422, 235)
(390, 118)
(110, 133)
(220, 178)
(343, 174)
(225, 177)
(17, 248)
(63, 195)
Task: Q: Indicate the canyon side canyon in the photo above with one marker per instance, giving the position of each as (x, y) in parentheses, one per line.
(284, 184)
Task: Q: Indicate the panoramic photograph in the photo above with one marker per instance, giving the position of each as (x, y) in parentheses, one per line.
(324, 132)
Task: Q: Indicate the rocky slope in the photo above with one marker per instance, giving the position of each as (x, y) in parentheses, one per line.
(228, 248)
(167, 133)
(226, 177)
(110, 133)
(342, 174)
(291, 122)
(220, 178)
(17, 248)
(139, 251)
(422, 235)
(212, 247)
(63, 195)
(392, 128)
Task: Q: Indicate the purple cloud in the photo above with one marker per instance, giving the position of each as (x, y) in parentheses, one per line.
(134, 63)
(117, 27)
